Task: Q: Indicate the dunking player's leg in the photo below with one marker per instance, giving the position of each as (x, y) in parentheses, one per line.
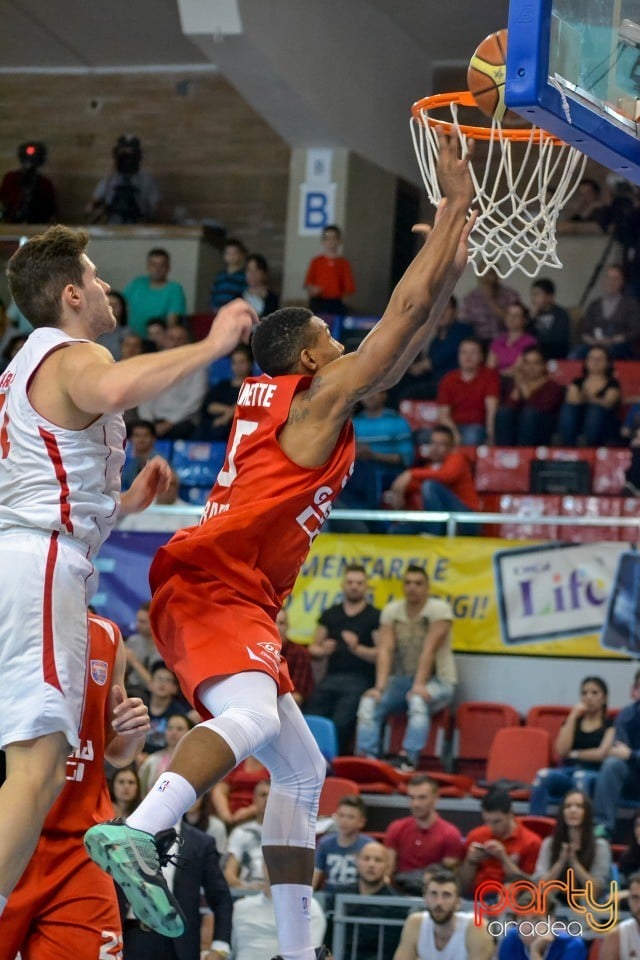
(35, 775)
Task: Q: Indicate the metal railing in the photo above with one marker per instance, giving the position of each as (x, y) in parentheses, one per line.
(346, 914)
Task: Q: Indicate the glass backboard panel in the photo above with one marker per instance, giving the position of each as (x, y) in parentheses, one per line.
(573, 68)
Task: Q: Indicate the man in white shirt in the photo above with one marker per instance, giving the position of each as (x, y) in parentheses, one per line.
(174, 412)
(254, 936)
(244, 865)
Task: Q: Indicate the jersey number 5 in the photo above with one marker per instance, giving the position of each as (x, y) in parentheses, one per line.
(243, 428)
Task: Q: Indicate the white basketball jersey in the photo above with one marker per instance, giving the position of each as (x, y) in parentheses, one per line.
(52, 478)
(629, 939)
(456, 948)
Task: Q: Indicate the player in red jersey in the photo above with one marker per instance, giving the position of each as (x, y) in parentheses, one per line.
(64, 905)
(218, 587)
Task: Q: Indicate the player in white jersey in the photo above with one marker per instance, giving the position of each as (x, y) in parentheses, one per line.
(61, 453)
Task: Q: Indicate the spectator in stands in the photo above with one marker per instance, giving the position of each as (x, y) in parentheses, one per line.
(156, 334)
(573, 846)
(441, 356)
(244, 866)
(11, 327)
(468, 397)
(550, 323)
(141, 448)
(507, 349)
(132, 346)
(141, 653)
(329, 279)
(623, 943)
(502, 850)
(219, 405)
(344, 643)
(620, 769)
(336, 853)
(257, 292)
(445, 483)
(585, 212)
(27, 196)
(177, 725)
(533, 937)
(230, 282)
(298, 661)
(612, 321)
(589, 415)
(125, 791)
(629, 862)
(128, 194)
(581, 745)
(424, 838)
(486, 305)
(232, 797)
(175, 411)
(415, 669)
(162, 701)
(15, 344)
(153, 295)
(113, 339)
(442, 929)
(201, 816)
(375, 941)
(529, 413)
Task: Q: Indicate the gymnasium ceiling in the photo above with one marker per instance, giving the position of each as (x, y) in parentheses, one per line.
(322, 72)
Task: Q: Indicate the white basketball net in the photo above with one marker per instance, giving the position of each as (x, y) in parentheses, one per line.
(519, 195)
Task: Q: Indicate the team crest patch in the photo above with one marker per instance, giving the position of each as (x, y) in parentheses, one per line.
(99, 671)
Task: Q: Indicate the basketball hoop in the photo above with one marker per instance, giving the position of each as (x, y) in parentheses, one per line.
(528, 177)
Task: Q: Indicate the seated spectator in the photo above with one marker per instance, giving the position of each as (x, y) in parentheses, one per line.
(113, 339)
(375, 941)
(128, 194)
(336, 853)
(132, 346)
(468, 397)
(156, 335)
(424, 838)
(629, 861)
(620, 769)
(154, 295)
(254, 935)
(27, 196)
(141, 653)
(445, 483)
(590, 412)
(612, 321)
(415, 669)
(384, 448)
(263, 300)
(298, 661)
(175, 411)
(528, 415)
(550, 324)
(507, 348)
(230, 282)
(442, 930)
(533, 936)
(585, 211)
(329, 278)
(232, 798)
(573, 846)
(623, 943)
(244, 865)
(485, 306)
(502, 850)
(201, 816)
(125, 792)
(177, 725)
(219, 405)
(162, 701)
(421, 380)
(141, 448)
(344, 646)
(581, 745)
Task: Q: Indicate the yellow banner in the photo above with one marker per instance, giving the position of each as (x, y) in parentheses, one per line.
(507, 596)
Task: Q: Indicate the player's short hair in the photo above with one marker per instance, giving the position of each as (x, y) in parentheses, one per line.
(280, 338)
(354, 801)
(41, 268)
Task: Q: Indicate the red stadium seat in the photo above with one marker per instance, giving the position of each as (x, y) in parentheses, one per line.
(503, 469)
(543, 826)
(199, 324)
(628, 373)
(372, 776)
(529, 508)
(630, 508)
(439, 735)
(549, 717)
(590, 507)
(334, 789)
(477, 722)
(420, 414)
(517, 753)
(564, 371)
(608, 472)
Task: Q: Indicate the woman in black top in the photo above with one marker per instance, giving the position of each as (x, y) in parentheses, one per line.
(592, 403)
(581, 746)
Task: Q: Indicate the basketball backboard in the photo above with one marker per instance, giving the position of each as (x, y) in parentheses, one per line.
(573, 69)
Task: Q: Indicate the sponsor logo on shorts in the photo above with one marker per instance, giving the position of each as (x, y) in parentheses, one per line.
(268, 655)
(99, 672)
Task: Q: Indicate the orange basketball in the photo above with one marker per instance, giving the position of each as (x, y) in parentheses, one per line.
(487, 73)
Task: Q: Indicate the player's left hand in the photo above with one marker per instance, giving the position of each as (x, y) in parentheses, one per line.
(154, 478)
(130, 715)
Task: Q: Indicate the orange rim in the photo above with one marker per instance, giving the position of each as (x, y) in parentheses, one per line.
(466, 99)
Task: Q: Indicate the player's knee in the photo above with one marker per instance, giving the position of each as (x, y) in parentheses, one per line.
(245, 729)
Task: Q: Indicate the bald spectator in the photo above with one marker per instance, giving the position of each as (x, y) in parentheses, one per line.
(375, 941)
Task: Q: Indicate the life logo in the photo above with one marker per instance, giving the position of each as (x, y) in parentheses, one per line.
(534, 901)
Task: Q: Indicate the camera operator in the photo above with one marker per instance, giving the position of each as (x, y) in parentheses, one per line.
(622, 221)
(128, 194)
(26, 196)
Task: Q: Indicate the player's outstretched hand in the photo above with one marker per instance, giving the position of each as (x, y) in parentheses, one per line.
(453, 170)
(130, 716)
(232, 325)
(462, 253)
(154, 478)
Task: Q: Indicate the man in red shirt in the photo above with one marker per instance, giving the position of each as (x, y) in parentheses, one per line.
(329, 278)
(468, 397)
(502, 850)
(416, 842)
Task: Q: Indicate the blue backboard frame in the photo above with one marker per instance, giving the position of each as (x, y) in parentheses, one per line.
(530, 94)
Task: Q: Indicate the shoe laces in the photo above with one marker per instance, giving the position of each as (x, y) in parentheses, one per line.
(164, 841)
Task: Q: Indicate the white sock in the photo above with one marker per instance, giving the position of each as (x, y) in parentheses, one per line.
(170, 797)
(292, 905)
(3, 903)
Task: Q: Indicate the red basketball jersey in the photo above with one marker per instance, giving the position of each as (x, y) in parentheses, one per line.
(84, 799)
(264, 511)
